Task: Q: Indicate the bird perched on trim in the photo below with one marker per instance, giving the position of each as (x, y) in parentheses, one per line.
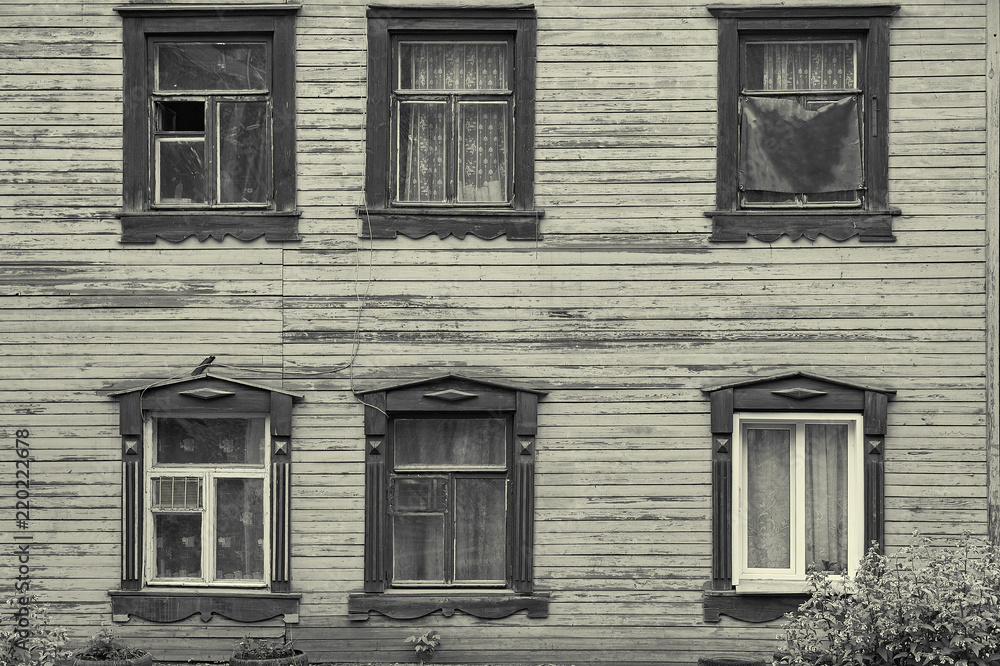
(203, 366)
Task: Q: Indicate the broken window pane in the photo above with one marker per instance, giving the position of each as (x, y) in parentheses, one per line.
(180, 171)
(211, 66)
(239, 531)
(243, 152)
(176, 116)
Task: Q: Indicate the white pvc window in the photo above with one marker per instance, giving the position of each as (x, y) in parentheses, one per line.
(207, 500)
(797, 503)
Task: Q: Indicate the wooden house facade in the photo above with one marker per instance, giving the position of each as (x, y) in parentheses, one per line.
(527, 323)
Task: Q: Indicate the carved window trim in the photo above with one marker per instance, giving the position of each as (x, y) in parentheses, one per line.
(450, 394)
(791, 393)
(205, 394)
(872, 222)
(141, 223)
(381, 217)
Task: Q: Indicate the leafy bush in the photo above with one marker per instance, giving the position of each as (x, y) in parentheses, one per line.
(31, 639)
(425, 644)
(922, 605)
(261, 648)
(105, 645)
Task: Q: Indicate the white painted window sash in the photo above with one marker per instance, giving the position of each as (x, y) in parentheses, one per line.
(209, 474)
(793, 578)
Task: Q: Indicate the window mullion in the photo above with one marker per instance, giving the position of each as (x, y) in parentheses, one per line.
(452, 129)
(212, 144)
(799, 503)
(449, 532)
(208, 527)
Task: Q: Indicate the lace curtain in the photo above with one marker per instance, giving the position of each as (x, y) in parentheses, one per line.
(769, 508)
(428, 126)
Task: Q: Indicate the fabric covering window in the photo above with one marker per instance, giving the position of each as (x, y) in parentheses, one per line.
(454, 117)
(800, 141)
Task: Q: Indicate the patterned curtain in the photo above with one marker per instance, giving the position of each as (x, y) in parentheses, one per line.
(826, 496)
(768, 498)
(481, 127)
(801, 65)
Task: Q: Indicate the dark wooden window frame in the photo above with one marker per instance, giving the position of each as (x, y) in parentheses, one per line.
(380, 217)
(207, 394)
(439, 397)
(141, 223)
(872, 222)
(791, 392)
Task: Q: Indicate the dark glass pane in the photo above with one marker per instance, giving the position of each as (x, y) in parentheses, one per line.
(418, 548)
(243, 152)
(236, 441)
(482, 151)
(239, 530)
(422, 149)
(826, 496)
(450, 443)
(207, 66)
(177, 493)
(180, 116)
(769, 507)
(453, 66)
(180, 171)
(419, 494)
(480, 529)
(178, 545)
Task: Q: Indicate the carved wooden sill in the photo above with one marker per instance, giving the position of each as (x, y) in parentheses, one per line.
(748, 607)
(770, 225)
(458, 222)
(173, 605)
(411, 606)
(176, 226)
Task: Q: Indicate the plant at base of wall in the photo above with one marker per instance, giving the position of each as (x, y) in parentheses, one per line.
(922, 605)
(105, 648)
(425, 644)
(31, 639)
(262, 652)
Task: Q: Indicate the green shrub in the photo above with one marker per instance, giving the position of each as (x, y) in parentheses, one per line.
(31, 639)
(107, 646)
(922, 605)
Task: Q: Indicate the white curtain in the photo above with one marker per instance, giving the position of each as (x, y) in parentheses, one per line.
(480, 127)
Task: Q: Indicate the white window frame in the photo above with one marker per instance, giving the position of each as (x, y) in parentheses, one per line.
(208, 474)
(793, 579)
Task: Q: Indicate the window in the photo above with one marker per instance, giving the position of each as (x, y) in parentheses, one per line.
(449, 500)
(213, 99)
(450, 123)
(207, 506)
(206, 495)
(803, 123)
(798, 500)
(797, 477)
